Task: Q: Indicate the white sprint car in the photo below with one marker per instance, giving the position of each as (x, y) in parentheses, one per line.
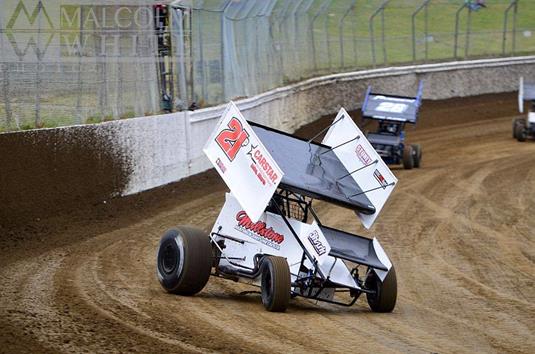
(269, 235)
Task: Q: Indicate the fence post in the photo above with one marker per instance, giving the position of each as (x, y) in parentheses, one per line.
(505, 20)
(327, 38)
(372, 34)
(304, 11)
(456, 36)
(5, 91)
(79, 73)
(468, 32)
(322, 8)
(191, 57)
(5, 83)
(284, 16)
(515, 10)
(177, 24)
(38, 123)
(201, 57)
(426, 31)
(288, 12)
(355, 35)
(383, 35)
(295, 14)
(341, 31)
(272, 56)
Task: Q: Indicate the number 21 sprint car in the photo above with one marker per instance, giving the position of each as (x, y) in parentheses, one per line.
(269, 235)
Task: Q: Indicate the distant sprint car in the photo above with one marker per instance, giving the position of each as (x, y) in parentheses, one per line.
(524, 128)
(269, 235)
(392, 113)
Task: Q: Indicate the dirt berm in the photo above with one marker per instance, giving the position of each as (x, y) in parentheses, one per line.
(460, 231)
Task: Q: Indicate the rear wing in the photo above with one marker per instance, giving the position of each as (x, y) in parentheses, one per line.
(390, 107)
(526, 92)
(255, 160)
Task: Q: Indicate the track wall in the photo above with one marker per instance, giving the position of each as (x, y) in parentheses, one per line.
(86, 164)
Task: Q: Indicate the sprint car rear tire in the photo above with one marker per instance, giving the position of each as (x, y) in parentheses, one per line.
(386, 292)
(275, 283)
(417, 150)
(516, 122)
(520, 132)
(408, 158)
(184, 260)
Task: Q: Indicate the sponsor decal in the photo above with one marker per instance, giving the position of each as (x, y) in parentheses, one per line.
(314, 239)
(258, 231)
(221, 165)
(363, 155)
(262, 167)
(379, 177)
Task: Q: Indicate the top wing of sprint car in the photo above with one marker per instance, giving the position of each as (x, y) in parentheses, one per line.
(526, 92)
(344, 169)
(380, 106)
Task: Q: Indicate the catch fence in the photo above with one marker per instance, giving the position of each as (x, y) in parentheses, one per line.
(64, 63)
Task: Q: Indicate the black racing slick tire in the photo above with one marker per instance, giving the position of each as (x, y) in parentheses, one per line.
(275, 283)
(417, 151)
(184, 260)
(408, 157)
(517, 122)
(386, 292)
(520, 132)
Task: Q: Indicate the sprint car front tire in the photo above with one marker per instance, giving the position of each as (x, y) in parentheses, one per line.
(386, 292)
(408, 157)
(184, 260)
(275, 283)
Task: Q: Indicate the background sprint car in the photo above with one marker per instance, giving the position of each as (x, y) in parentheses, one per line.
(392, 113)
(268, 234)
(524, 127)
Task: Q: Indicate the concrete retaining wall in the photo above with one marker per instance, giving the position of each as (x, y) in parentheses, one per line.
(143, 153)
(290, 107)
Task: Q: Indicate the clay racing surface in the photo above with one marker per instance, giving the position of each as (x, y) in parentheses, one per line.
(460, 232)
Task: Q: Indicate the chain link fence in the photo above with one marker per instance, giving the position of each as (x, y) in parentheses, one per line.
(74, 62)
(242, 48)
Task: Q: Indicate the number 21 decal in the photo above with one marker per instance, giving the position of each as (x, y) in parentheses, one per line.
(231, 140)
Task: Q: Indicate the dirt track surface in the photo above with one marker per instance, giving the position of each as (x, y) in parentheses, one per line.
(460, 231)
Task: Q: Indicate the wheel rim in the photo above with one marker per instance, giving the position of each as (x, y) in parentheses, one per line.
(169, 259)
(266, 285)
(371, 284)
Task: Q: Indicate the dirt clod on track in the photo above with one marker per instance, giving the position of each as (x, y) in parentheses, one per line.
(460, 231)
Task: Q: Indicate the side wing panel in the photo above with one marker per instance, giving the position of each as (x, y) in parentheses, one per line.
(243, 162)
(360, 158)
